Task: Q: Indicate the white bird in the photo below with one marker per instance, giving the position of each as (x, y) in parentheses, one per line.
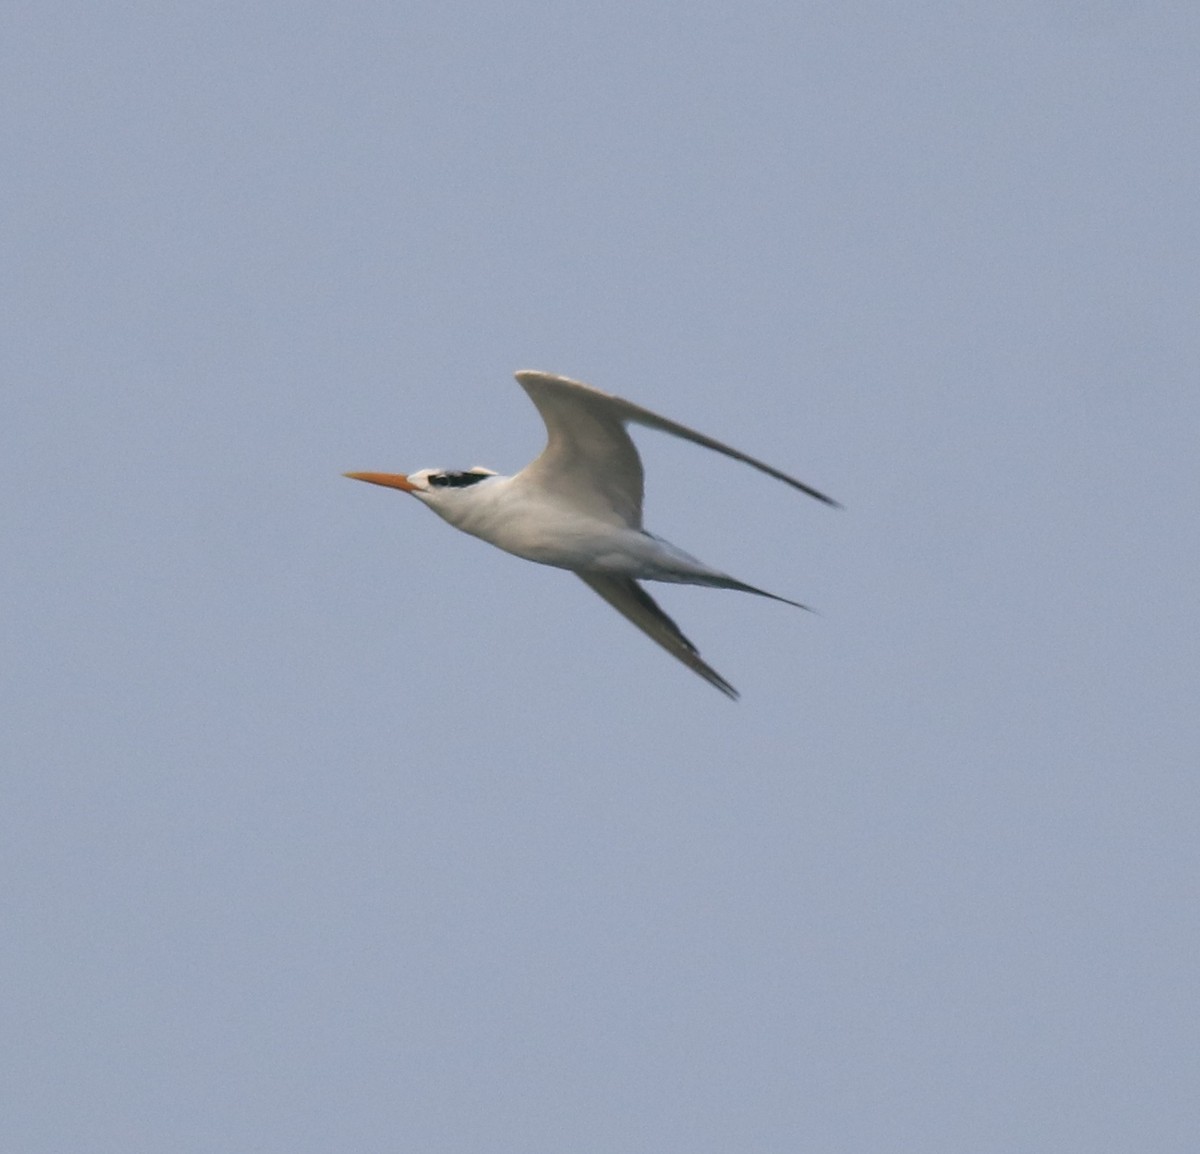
(578, 506)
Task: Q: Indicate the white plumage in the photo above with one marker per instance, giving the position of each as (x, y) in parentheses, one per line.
(578, 506)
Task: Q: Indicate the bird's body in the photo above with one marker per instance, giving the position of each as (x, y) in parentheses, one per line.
(525, 520)
(578, 506)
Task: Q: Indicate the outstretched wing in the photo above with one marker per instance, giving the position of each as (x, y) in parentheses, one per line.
(627, 597)
(590, 458)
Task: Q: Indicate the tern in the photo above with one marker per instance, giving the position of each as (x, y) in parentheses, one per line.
(578, 506)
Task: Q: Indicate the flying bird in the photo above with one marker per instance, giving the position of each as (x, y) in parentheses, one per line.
(578, 506)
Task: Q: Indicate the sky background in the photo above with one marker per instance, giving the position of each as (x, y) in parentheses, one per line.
(327, 828)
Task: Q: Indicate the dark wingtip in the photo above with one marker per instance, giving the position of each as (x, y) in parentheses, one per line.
(807, 490)
(826, 500)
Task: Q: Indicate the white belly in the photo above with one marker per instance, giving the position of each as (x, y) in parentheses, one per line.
(555, 534)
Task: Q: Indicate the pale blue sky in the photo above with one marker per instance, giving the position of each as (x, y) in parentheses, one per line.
(328, 828)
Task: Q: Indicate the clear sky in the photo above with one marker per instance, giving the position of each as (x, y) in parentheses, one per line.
(326, 828)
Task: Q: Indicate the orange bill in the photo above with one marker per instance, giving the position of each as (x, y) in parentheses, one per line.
(391, 480)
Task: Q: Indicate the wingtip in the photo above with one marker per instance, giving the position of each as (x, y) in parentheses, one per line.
(824, 498)
(716, 680)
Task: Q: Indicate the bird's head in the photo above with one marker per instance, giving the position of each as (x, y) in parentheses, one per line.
(434, 487)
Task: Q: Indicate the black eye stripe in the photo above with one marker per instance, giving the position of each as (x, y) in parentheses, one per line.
(455, 480)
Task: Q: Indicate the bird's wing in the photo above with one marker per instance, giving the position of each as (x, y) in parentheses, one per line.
(589, 459)
(590, 456)
(627, 597)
